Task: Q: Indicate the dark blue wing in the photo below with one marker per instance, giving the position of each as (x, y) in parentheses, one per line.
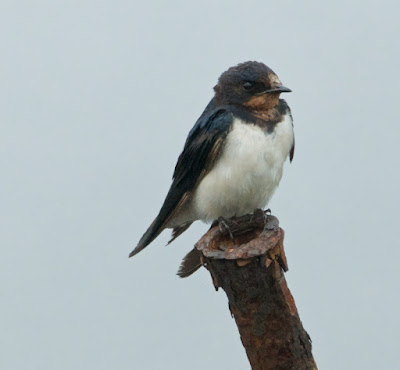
(203, 146)
(210, 128)
(204, 118)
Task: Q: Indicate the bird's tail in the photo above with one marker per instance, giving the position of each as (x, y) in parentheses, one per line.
(190, 264)
(173, 201)
(152, 232)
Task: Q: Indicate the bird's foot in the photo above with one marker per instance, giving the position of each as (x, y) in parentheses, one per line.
(224, 227)
(266, 215)
(259, 213)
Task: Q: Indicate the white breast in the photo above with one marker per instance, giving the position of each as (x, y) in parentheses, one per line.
(247, 173)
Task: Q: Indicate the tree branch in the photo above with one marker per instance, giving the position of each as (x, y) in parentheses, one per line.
(249, 268)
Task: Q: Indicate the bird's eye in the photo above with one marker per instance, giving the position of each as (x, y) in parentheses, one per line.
(248, 86)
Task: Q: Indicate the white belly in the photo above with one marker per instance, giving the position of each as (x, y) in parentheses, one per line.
(247, 173)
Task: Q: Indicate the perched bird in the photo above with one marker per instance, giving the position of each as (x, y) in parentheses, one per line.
(233, 157)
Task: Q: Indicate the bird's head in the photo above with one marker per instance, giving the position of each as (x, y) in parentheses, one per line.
(250, 84)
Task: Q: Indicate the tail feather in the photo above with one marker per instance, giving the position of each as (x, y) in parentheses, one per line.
(190, 264)
(152, 232)
(173, 202)
(178, 231)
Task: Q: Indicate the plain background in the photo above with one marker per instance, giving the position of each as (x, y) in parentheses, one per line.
(96, 101)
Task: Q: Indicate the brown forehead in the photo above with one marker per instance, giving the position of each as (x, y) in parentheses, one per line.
(269, 79)
(273, 79)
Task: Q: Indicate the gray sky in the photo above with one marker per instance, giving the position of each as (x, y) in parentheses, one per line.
(96, 101)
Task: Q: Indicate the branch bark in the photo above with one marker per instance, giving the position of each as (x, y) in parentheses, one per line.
(250, 269)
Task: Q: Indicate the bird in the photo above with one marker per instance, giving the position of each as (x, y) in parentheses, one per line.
(233, 157)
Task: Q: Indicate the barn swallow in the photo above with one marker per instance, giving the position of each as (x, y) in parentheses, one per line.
(233, 157)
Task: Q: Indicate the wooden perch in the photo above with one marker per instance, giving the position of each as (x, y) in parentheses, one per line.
(249, 268)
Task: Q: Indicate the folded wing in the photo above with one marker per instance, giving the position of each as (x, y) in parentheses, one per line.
(202, 148)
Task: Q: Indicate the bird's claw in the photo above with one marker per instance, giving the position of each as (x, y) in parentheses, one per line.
(260, 213)
(223, 226)
(266, 215)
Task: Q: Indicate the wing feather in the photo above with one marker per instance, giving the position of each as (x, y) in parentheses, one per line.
(202, 148)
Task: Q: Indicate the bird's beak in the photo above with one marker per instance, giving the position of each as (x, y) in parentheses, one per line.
(277, 89)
